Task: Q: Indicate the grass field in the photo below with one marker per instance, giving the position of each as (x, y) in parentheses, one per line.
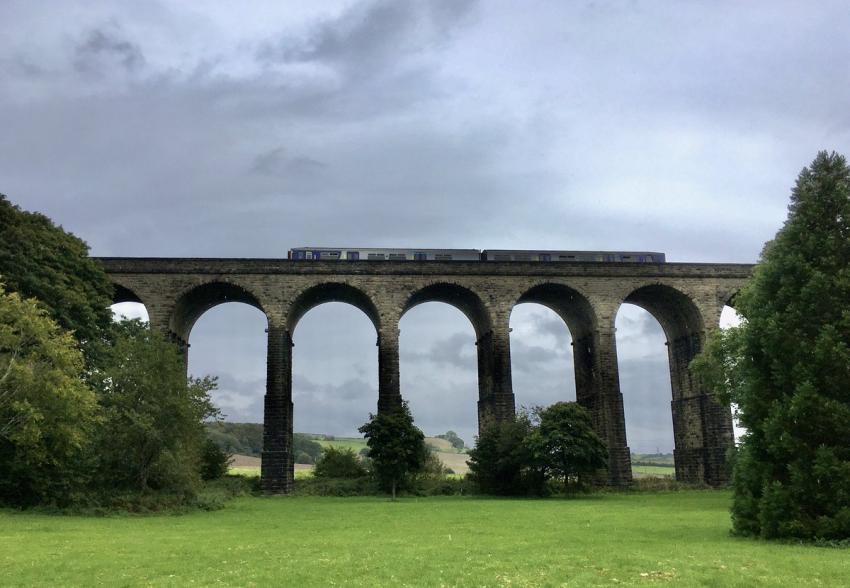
(651, 471)
(628, 539)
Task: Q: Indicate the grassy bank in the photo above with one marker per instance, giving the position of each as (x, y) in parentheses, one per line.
(600, 540)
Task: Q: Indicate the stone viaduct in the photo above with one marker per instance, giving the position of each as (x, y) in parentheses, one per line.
(686, 299)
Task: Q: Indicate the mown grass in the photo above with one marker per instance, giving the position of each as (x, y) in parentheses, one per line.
(633, 539)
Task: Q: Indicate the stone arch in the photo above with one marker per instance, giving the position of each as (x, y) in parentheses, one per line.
(567, 302)
(702, 428)
(575, 309)
(495, 399)
(195, 301)
(318, 294)
(461, 297)
(674, 310)
(121, 293)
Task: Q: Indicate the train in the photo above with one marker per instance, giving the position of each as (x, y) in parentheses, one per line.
(484, 255)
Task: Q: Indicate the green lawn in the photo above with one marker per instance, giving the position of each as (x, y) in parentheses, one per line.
(677, 538)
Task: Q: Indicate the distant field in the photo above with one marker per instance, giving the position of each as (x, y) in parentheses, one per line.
(448, 455)
(644, 471)
(676, 538)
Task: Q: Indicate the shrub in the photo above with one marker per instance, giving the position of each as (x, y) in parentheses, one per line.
(339, 463)
(214, 461)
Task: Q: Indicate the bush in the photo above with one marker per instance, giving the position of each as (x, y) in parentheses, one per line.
(304, 458)
(339, 463)
(214, 461)
(362, 486)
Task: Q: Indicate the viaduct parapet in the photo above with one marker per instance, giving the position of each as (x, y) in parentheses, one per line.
(685, 298)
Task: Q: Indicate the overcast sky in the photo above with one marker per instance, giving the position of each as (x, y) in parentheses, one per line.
(244, 129)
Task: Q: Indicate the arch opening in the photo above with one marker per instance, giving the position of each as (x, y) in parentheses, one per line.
(439, 374)
(331, 292)
(127, 305)
(334, 370)
(229, 341)
(542, 359)
(463, 299)
(644, 368)
(730, 318)
(198, 300)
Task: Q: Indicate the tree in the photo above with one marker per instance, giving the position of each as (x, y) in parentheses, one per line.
(454, 439)
(787, 367)
(40, 260)
(47, 412)
(571, 449)
(396, 446)
(153, 432)
(502, 460)
(335, 462)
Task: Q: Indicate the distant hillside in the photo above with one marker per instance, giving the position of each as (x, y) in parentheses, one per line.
(246, 439)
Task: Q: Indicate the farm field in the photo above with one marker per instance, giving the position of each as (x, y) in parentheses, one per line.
(680, 538)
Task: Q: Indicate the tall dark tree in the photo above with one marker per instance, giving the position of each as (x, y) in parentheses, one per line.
(788, 368)
(43, 261)
(396, 446)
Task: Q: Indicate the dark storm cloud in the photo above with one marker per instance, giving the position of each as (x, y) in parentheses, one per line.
(105, 48)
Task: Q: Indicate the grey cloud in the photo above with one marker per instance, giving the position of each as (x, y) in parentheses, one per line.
(370, 37)
(104, 48)
(458, 350)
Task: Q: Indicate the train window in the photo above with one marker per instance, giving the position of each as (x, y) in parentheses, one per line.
(330, 255)
(503, 258)
(610, 258)
(398, 256)
(649, 258)
(522, 258)
(376, 256)
(419, 256)
(352, 255)
(443, 257)
(545, 257)
(297, 255)
(625, 257)
(600, 258)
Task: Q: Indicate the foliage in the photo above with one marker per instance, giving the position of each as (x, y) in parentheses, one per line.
(153, 432)
(572, 451)
(499, 463)
(47, 412)
(396, 446)
(673, 539)
(215, 462)
(339, 463)
(454, 439)
(247, 439)
(313, 486)
(40, 260)
(787, 367)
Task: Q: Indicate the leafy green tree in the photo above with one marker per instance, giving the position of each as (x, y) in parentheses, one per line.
(47, 412)
(454, 439)
(396, 446)
(40, 260)
(787, 367)
(153, 432)
(502, 457)
(571, 449)
(336, 462)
